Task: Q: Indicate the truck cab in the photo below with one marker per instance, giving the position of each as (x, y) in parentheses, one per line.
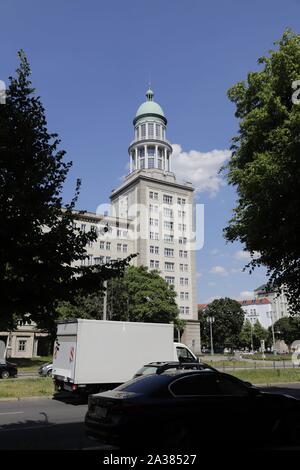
(183, 354)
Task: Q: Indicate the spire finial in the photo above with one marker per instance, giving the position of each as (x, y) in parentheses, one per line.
(149, 94)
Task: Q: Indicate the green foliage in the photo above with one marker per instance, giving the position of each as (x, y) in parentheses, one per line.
(38, 241)
(252, 335)
(265, 167)
(288, 329)
(228, 322)
(246, 334)
(88, 306)
(259, 334)
(143, 296)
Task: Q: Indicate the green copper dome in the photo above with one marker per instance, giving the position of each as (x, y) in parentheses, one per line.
(149, 107)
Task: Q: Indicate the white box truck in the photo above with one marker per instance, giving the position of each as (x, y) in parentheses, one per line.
(94, 355)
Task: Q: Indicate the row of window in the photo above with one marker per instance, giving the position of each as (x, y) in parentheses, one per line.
(147, 130)
(91, 260)
(169, 252)
(169, 213)
(184, 296)
(184, 281)
(168, 225)
(184, 310)
(107, 246)
(168, 266)
(167, 199)
(100, 230)
(150, 151)
(168, 238)
(171, 267)
(122, 247)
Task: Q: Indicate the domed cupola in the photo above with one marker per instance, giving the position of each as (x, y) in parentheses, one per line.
(149, 108)
(150, 149)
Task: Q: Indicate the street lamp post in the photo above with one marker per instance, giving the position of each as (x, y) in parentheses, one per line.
(105, 301)
(252, 346)
(211, 321)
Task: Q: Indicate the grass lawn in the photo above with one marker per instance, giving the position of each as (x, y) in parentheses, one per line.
(262, 376)
(229, 363)
(25, 364)
(18, 388)
(268, 357)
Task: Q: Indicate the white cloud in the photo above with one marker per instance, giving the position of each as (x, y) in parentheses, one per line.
(246, 295)
(245, 255)
(200, 168)
(211, 299)
(214, 252)
(198, 275)
(211, 284)
(241, 254)
(219, 270)
(236, 270)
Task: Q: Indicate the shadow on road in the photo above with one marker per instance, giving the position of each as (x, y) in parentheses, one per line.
(69, 399)
(45, 435)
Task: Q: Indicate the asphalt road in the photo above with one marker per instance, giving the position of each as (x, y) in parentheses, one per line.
(41, 424)
(45, 424)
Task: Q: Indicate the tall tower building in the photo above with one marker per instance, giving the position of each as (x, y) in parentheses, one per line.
(161, 212)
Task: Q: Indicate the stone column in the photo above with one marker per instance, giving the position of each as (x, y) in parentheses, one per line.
(146, 156)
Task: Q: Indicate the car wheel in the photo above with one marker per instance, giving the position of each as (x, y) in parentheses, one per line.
(49, 373)
(4, 374)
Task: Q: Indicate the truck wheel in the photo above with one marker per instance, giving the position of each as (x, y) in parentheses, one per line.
(49, 373)
(4, 374)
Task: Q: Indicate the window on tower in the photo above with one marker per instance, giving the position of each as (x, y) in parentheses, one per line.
(143, 131)
(150, 130)
(151, 162)
(151, 150)
(141, 152)
(158, 133)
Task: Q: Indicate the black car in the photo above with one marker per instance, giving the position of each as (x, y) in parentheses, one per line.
(186, 409)
(8, 369)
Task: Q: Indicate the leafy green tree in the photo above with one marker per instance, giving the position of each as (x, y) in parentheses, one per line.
(38, 241)
(246, 335)
(287, 329)
(259, 334)
(142, 295)
(88, 306)
(265, 167)
(228, 322)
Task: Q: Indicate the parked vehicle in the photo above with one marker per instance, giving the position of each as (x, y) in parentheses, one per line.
(94, 355)
(8, 369)
(188, 409)
(46, 369)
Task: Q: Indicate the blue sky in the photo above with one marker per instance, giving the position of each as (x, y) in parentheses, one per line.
(91, 62)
